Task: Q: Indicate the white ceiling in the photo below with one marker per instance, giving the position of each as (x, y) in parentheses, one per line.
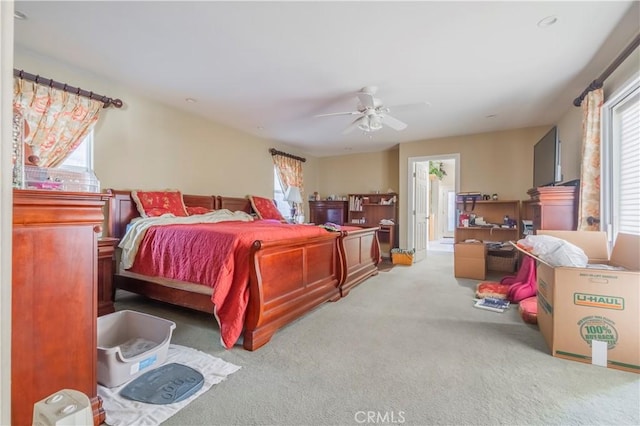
(268, 68)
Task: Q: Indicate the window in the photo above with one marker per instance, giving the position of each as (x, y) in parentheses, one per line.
(81, 159)
(278, 194)
(76, 171)
(621, 161)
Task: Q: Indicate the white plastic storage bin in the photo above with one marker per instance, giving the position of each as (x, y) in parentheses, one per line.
(130, 343)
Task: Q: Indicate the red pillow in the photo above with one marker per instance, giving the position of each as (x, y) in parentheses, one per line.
(491, 289)
(265, 208)
(157, 203)
(191, 210)
(529, 310)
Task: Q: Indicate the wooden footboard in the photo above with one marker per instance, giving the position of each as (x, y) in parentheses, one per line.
(288, 279)
(360, 255)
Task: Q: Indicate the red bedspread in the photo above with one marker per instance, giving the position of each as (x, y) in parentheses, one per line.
(216, 255)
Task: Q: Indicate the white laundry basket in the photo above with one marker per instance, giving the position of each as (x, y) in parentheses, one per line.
(130, 343)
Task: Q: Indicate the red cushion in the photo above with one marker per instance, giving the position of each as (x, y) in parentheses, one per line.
(265, 208)
(528, 309)
(157, 203)
(491, 289)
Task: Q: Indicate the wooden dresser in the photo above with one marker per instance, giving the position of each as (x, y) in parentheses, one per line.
(54, 297)
(334, 211)
(553, 207)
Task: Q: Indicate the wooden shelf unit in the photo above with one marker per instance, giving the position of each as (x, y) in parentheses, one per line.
(367, 210)
(493, 212)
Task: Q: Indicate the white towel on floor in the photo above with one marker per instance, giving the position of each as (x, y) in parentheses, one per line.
(125, 412)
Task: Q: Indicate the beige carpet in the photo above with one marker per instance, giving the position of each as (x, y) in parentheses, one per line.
(405, 345)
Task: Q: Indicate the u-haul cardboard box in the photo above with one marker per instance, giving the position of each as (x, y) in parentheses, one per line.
(592, 315)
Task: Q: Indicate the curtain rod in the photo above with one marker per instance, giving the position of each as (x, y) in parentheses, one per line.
(66, 88)
(274, 151)
(598, 82)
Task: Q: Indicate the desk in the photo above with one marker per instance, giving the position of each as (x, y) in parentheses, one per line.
(386, 236)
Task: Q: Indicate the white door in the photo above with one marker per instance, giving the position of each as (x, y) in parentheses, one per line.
(421, 210)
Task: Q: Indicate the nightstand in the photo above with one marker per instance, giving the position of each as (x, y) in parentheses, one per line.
(106, 264)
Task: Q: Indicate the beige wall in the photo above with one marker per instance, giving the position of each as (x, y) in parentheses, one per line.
(358, 173)
(496, 162)
(148, 145)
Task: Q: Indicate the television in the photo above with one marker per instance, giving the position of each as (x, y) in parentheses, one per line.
(546, 160)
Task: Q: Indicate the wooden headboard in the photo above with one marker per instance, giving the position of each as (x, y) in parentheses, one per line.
(234, 204)
(122, 209)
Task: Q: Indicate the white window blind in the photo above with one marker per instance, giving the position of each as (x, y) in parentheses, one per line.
(621, 161)
(626, 119)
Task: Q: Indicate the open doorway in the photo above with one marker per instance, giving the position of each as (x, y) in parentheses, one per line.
(431, 203)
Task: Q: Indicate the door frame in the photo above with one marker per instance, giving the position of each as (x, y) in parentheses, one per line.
(411, 238)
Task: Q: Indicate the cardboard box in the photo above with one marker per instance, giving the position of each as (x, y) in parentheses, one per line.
(469, 260)
(592, 315)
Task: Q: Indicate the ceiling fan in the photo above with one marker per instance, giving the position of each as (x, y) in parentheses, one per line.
(372, 114)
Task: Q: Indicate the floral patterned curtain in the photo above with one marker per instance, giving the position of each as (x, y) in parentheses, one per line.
(58, 120)
(290, 172)
(589, 210)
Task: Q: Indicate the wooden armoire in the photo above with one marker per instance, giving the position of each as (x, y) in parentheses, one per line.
(54, 297)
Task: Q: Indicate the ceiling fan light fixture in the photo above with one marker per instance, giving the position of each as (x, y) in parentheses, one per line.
(363, 124)
(370, 123)
(375, 122)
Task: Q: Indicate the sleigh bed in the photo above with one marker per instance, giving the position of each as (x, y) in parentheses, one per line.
(287, 277)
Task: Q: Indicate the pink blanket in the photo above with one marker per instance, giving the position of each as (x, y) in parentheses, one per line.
(216, 255)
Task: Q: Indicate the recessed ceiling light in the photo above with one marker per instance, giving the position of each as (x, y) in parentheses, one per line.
(19, 15)
(548, 21)
(190, 100)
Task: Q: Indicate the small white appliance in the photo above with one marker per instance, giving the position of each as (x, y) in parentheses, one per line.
(66, 407)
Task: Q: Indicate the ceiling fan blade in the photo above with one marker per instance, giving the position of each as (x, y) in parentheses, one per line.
(353, 125)
(423, 104)
(338, 113)
(394, 123)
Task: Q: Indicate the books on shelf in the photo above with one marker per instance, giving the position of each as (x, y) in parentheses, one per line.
(492, 304)
(355, 203)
